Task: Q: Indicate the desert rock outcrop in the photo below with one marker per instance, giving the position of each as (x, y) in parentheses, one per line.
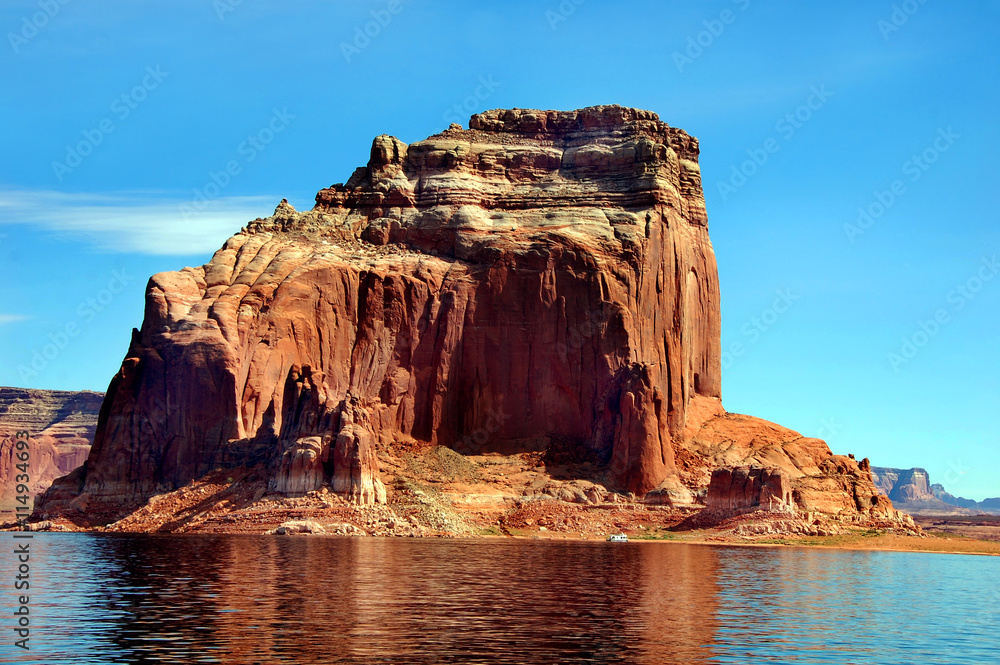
(543, 280)
(748, 488)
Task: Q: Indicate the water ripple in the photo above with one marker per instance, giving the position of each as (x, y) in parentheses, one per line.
(247, 599)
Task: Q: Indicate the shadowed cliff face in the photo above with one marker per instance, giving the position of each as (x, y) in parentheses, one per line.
(543, 278)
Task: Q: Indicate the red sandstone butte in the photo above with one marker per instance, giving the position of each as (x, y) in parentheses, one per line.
(542, 277)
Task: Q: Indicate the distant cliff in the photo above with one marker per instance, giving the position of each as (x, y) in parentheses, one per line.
(61, 425)
(903, 485)
(912, 491)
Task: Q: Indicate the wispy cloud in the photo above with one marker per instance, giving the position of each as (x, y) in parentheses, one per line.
(12, 318)
(134, 222)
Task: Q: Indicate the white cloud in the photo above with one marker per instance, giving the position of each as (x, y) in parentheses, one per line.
(12, 318)
(135, 222)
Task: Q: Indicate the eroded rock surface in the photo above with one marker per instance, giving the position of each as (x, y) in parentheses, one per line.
(61, 425)
(540, 282)
(749, 488)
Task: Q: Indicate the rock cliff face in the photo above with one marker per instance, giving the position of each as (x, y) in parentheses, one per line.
(61, 425)
(542, 281)
(903, 485)
(747, 489)
(913, 491)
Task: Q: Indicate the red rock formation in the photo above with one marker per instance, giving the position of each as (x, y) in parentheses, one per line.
(749, 488)
(841, 486)
(541, 277)
(446, 283)
(61, 425)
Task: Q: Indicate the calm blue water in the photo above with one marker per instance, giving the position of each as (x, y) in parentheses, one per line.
(258, 599)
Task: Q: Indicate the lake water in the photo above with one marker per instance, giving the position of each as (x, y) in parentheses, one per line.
(257, 599)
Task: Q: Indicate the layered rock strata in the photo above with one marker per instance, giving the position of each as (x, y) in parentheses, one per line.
(912, 490)
(904, 485)
(748, 488)
(543, 280)
(61, 426)
(840, 486)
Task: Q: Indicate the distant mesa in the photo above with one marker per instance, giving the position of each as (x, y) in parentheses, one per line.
(911, 490)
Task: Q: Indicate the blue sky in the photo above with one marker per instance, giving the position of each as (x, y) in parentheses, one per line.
(877, 333)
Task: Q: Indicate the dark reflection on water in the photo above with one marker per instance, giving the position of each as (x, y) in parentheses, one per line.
(243, 599)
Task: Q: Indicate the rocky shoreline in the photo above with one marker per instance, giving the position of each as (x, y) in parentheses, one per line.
(459, 496)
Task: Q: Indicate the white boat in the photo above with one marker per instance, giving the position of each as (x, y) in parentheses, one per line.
(618, 538)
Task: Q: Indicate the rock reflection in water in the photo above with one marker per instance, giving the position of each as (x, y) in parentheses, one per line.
(333, 600)
(233, 599)
(255, 599)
